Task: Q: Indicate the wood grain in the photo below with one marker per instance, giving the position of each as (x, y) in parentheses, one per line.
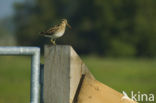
(62, 73)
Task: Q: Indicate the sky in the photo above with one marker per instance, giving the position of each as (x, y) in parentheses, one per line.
(6, 7)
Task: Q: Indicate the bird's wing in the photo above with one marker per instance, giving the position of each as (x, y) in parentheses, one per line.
(52, 29)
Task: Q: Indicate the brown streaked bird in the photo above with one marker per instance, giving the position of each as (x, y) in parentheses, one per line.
(56, 31)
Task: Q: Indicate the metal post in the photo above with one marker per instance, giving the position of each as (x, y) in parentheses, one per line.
(34, 52)
(41, 82)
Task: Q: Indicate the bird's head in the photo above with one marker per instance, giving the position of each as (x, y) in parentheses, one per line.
(66, 23)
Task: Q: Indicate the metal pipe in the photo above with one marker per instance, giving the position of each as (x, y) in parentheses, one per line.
(41, 82)
(34, 52)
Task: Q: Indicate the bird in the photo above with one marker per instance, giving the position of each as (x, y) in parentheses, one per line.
(56, 31)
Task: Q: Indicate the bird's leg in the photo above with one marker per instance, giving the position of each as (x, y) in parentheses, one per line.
(53, 42)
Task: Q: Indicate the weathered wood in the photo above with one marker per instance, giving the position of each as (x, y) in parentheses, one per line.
(68, 80)
(92, 91)
(62, 73)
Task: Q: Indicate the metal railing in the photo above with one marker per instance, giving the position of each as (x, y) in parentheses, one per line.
(34, 52)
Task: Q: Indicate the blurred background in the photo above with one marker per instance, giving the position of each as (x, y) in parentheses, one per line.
(115, 38)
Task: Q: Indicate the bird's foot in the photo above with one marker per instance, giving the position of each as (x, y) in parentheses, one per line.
(53, 42)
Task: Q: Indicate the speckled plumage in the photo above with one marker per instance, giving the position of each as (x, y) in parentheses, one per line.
(56, 31)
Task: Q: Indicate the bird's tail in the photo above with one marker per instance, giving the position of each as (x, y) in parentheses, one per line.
(42, 32)
(45, 34)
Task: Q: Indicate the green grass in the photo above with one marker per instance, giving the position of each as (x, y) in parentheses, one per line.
(14, 79)
(125, 74)
(120, 74)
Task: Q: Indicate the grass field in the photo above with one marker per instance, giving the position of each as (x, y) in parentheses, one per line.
(120, 74)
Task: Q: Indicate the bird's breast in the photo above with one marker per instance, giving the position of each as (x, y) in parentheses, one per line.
(59, 33)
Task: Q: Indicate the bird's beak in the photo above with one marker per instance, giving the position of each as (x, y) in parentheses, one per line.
(69, 26)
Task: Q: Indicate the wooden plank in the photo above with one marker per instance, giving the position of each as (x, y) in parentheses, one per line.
(92, 91)
(77, 68)
(68, 80)
(56, 74)
(62, 73)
